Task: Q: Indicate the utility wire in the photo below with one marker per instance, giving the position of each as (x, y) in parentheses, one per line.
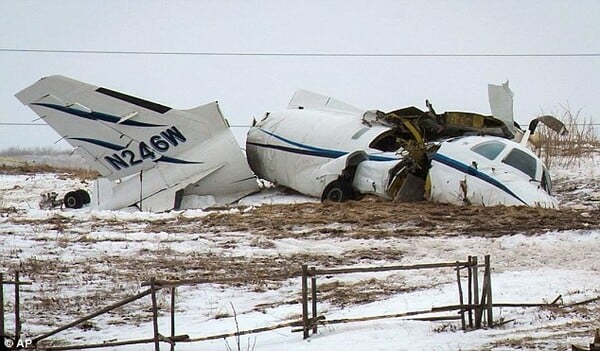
(296, 54)
(44, 124)
(248, 126)
(21, 124)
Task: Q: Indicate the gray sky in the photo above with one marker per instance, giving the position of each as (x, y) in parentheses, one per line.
(247, 86)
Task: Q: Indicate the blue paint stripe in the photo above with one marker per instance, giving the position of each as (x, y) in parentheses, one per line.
(96, 115)
(304, 146)
(313, 150)
(167, 159)
(102, 143)
(382, 158)
(298, 151)
(475, 173)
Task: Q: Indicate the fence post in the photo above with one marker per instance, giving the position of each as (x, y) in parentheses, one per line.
(305, 300)
(154, 315)
(470, 291)
(173, 318)
(17, 307)
(476, 292)
(488, 277)
(1, 304)
(313, 287)
(460, 297)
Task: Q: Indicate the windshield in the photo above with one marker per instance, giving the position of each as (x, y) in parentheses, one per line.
(522, 161)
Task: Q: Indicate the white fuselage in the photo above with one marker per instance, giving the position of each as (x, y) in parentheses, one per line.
(307, 149)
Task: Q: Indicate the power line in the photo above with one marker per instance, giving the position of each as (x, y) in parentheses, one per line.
(21, 124)
(44, 124)
(248, 125)
(294, 54)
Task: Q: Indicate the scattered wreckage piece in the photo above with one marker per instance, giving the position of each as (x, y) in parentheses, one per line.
(325, 148)
(50, 200)
(150, 155)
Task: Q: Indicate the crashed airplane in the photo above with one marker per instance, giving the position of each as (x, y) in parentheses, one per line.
(150, 155)
(326, 148)
(158, 158)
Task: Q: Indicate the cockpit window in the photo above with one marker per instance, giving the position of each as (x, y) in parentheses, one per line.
(386, 142)
(490, 149)
(521, 161)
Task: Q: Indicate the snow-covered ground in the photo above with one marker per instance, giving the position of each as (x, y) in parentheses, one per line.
(83, 260)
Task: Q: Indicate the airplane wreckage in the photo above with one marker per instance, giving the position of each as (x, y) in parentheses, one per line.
(158, 158)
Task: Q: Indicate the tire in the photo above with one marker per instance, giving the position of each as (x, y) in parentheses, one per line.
(73, 199)
(85, 197)
(338, 191)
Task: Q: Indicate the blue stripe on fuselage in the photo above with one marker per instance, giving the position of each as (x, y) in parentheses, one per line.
(459, 166)
(311, 150)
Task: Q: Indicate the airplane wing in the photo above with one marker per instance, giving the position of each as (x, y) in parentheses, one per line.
(121, 135)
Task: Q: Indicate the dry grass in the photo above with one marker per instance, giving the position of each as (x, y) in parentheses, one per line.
(27, 168)
(342, 294)
(372, 218)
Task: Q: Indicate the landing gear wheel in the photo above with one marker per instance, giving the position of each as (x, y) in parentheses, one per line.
(338, 191)
(85, 197)
(73, 199)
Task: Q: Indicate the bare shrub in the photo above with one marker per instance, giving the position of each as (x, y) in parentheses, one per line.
(582, 140)
(238, 345)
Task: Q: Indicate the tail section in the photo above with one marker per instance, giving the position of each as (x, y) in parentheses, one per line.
(119, 134)
(159, 153)
(501, 103)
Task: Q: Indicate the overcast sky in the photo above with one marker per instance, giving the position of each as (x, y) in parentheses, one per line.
(247, 86)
